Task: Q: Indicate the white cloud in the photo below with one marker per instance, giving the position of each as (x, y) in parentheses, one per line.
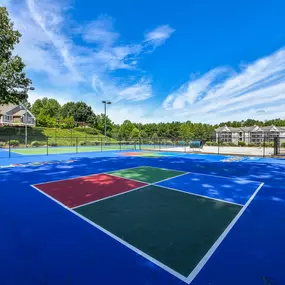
(117, 92)
(159, 35)
(222, 94)
(101, 31)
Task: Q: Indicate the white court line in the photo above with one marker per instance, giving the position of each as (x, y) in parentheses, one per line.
(211, 251)
(126, 192)
(151, 259)
(194, 194)
(109, 197)
(202, 262)
(225, 177)
(83, 176)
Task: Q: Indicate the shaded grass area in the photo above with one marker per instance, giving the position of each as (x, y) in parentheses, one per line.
(176, 229)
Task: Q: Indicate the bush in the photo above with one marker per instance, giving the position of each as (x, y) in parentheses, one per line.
(2, 144)
(253, 144)
(212, 143)
(89, 143)
(14, 143)
(283, 144)
(52, 144)
(268, 144)
(241, 143)
(231, 144)
(37, 144)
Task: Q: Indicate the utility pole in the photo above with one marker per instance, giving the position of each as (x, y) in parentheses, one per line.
(26, 114)
(105, 123)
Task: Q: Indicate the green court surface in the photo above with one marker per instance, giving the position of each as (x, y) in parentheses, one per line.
(174, 228)
(58, 150)
(147, 174)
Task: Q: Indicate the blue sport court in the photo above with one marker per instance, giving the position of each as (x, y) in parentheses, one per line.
(142, 218)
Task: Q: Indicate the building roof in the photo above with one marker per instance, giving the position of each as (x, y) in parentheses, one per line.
(20, 113)
(248, 129)
(6, 108)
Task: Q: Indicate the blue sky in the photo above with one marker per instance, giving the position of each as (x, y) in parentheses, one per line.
(205, 61)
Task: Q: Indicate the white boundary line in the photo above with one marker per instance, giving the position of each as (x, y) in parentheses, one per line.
(153, 260)
(109, 197)
(202, 174)
(194, 194)
(85, 176)
(211, 251)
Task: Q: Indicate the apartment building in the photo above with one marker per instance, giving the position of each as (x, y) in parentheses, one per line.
(253, 134)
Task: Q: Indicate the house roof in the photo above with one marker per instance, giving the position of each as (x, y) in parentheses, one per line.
(6, 108)
(20, 113)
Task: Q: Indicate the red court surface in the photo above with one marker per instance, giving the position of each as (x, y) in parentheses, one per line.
(82, 190)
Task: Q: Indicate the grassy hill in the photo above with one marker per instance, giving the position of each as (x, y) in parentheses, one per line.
(61, 137)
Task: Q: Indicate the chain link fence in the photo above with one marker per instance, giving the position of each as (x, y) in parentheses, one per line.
(14, 145)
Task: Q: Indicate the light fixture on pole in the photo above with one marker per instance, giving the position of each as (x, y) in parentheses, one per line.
(26, 114)
(105, 123)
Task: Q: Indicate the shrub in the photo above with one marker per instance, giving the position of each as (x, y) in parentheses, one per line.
(231, 144)
(37, 144)
(14, 143)
(2, 144)
(241, 143)
(53, 144)
(268, 144)
(283, 144)
(89, 143)
(252, 144)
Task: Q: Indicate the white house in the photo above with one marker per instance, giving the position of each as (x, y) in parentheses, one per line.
(15, 115)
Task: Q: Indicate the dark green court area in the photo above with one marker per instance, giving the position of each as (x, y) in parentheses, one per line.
(175, 228)
(147, 174)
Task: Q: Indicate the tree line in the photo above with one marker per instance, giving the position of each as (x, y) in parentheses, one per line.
(49, 113)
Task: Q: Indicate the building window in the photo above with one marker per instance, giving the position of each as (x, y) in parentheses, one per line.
(7, 118)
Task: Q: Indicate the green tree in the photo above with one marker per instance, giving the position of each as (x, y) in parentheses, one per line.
(186, 130)
(155, 137)
(126, 129)
(12, 78)
(135, 134)
(47, 112)
(79, 110)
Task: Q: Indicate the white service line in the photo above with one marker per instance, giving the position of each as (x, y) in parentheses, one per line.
(211, 251)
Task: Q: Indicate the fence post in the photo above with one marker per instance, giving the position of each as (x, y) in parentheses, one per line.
(76, 141)
(9, 147)
(120, 142)
(218, 144)
(101, 144)
(264, 146)
(47, 146)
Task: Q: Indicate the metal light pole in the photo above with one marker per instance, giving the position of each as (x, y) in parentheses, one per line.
(105, 124)
(26, 115)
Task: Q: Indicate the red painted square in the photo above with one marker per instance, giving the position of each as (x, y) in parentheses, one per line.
(82, 190)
